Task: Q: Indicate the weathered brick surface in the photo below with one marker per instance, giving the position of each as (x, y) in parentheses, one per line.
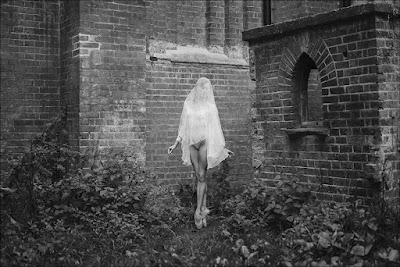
(172, 72)
(234, 23)
(98, 52)
(358, 69)
(388, 68)
(70, 67)
(252, 15)
(30, 71)
(215, 27)
(176, 22)
(122, 70)
(362, 2)
(168, 84)
(285, 10)
(112, 51)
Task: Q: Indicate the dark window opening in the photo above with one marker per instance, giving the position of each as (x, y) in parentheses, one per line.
(267, 12)
(345, 3)
(307, 92)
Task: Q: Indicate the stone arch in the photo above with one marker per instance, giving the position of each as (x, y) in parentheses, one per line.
(314, 47)
(317, 50)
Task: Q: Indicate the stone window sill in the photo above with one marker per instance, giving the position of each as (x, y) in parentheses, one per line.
(307, 130)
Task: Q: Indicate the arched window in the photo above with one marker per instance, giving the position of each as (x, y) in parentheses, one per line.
(307, 92)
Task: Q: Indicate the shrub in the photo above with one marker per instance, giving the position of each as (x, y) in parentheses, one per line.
(48, 160)
(262, 206)
(341, 234)
(111, 209)
(59, 211)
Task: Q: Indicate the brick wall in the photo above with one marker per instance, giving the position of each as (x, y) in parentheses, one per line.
(388, 62)
(30, 71)
(168, 85)
(361, 2)
(93, 56)
(346, 55)
(112, 78)
(206, 42)
(214, 24)
(123, 68)
(252, 15)
(233, 23)
(70, 67)
(176, 21)
(285, 10)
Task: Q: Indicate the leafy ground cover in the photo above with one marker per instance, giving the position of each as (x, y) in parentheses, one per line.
(54, 212)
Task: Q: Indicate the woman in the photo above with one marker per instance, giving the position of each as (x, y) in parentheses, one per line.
(202, 140)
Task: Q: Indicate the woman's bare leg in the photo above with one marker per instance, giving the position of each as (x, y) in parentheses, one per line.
(204, 204)
(202, 175)
(194, 157)
(198, 157)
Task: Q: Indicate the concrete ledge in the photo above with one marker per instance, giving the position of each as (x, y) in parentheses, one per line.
(316, 20)
(197, 55)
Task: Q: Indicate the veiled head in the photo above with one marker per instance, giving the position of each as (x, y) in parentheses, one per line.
(203, 90)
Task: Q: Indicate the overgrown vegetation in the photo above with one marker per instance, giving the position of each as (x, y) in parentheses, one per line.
(309, 232)
(54, 212)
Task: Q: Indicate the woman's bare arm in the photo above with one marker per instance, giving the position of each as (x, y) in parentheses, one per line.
(172, 148)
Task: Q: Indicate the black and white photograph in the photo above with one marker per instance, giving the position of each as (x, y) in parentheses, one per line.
(210, 133)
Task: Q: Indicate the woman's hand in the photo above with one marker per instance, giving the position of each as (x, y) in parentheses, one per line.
(171, 148)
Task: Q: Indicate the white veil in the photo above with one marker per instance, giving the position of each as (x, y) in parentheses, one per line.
(199, 121)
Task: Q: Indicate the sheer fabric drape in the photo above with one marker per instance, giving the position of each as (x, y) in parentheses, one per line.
(200, 121)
